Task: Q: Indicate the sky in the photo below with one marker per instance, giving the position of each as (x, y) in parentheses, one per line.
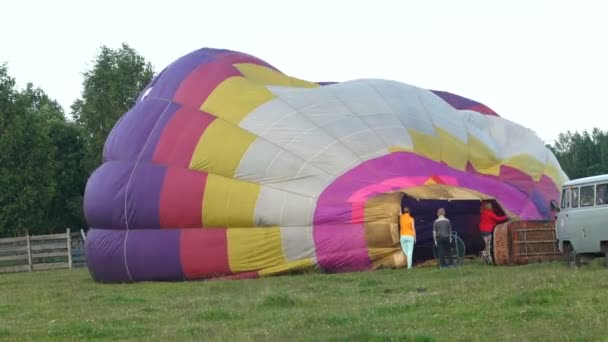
(542, 64)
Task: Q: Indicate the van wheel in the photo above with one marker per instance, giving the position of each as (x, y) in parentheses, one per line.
(605, 251)
(572, 259)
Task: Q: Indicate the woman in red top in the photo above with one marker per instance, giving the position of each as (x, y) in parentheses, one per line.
(488, 222)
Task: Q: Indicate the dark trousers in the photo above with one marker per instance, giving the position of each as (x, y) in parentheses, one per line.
(444, 251)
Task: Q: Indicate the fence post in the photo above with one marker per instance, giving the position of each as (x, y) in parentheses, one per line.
(29, 252)
(69, 248)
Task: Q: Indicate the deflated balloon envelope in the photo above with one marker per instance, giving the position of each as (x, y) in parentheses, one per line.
(226, 167)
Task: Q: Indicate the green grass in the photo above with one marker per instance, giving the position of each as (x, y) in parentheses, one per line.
(473, 303)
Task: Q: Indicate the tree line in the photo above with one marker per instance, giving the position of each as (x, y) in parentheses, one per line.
(582, 154)
(47, 154)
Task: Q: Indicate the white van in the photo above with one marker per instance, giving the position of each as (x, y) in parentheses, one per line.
(582, 218)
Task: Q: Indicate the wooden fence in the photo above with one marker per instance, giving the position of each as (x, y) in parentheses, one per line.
(42, 252)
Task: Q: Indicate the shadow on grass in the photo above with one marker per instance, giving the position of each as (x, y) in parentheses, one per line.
(122, 300)
(365, 335)
(4, 333)
(82, 330)
(217, 315)
(149, 309)
(535, 297)
(106, 329)
(6, 310)
(331, 320)
(370, 283)
(279, 301)
(532, 313)
(196, 331)
(392, 310)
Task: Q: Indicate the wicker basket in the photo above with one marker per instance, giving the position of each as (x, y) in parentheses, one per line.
(501, 245)
(523, 242)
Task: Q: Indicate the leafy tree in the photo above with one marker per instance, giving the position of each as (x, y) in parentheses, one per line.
(70, 178)
(45, 158)
(582, 154)
(40, 174)
(26, 159)
(110, 88)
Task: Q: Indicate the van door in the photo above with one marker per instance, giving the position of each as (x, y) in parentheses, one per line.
(599, 230)
(586, 220)
(563, 233)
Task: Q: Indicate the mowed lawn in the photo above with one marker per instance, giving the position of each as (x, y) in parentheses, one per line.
(474, 302)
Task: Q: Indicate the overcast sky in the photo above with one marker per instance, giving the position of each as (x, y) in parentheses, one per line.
(543, 64)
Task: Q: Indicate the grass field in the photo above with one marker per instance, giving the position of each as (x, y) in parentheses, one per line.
(475, 302)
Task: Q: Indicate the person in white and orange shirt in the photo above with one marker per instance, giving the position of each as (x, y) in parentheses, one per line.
(407, 232)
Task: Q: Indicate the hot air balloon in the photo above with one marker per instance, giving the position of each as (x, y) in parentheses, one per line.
(227, 168)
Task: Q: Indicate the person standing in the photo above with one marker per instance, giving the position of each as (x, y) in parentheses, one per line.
(407, 232)
(442, 234)
(487, 223)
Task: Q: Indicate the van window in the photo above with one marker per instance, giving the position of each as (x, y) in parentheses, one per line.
(565, 198)
(587, 196)
(602, 194)
(575, 198)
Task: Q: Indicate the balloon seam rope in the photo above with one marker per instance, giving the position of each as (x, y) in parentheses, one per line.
(361, 119)
(317, 126)
(284, 147)
(143, 148)
(329, 145)
(388, 105)
(324, 149)
(370, 85)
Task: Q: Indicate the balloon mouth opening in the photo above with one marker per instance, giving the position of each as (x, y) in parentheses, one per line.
(462, 207)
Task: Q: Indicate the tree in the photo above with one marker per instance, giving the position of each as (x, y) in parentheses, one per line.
(45, 158)
(110, 89)
(27, 158)
(582, 154)
(40, 174)
(65, 209)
